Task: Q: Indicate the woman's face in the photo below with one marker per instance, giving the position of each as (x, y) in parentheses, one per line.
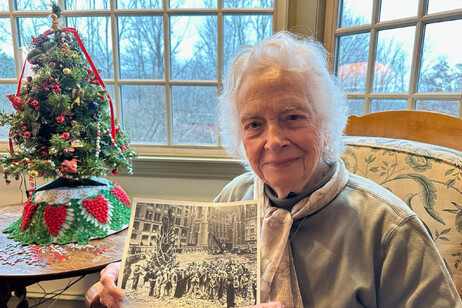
(281, 136)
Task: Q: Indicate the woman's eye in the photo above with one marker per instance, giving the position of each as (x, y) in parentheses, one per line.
(252, 125)
(294, 117)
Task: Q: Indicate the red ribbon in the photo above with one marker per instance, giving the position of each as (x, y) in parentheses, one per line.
(95, 71)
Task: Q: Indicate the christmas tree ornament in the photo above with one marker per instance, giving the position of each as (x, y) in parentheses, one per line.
(64, 129)
(93, 105)
(15, 101)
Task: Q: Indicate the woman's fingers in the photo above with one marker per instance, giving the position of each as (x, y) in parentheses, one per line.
(110, 295)
(111, 270)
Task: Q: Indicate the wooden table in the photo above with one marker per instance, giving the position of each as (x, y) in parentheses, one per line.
(16, 277)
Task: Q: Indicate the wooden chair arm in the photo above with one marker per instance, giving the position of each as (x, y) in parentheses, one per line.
(92, 296)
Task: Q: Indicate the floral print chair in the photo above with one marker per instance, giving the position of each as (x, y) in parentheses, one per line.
(428, 178)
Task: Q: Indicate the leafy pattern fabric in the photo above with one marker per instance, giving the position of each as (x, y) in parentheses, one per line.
(428, 178)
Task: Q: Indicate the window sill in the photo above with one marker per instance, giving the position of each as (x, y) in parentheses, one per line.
(190, 168)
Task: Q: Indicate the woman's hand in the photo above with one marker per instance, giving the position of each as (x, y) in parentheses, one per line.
(110, 295)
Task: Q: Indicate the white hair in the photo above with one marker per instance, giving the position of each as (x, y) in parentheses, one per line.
(290, 53)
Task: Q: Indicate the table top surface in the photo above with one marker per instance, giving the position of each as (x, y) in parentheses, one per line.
(32, 263)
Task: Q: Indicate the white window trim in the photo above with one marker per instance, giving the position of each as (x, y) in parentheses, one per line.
(331, 33)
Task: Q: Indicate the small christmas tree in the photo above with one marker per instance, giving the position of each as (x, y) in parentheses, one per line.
(164, 256)
(64, 128)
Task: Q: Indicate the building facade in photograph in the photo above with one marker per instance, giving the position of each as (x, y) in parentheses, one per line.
(217, 229)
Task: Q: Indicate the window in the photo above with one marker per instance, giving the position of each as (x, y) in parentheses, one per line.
(148, 215)
(393, 55)
(157, 217)
(138, 211)
(162, 61)
(147, 227)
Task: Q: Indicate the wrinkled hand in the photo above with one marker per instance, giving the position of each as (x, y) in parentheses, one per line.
(270, 305)
(110, 295)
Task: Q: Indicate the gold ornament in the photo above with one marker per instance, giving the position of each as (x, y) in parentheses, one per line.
(34, 173)
(77, 94)
(76, 144)
(66, 70)
(36, 77)
(65, 49)
(54, 22)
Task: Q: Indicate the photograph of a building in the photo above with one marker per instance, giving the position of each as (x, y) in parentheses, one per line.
(186, 254)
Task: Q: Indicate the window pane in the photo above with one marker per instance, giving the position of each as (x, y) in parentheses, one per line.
(30, 28)
(447, 107)
(193, 114)
(110, 89)
(355, 13)
(441, 68)
(37, 5)
(248, 3)
(95, 32)
(7, 68)
(435, 6)
(243, 29)
(355, 106)
(389, 11)
(141, 44)
(5, 104)
(87, 4)
(393, 60)
(134, 4)
(143, 113)
(4, 5)
(352, 58)
(386, 105)
(192, 4)
(193, 47)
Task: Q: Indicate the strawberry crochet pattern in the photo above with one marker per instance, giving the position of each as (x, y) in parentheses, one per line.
(26, 213)
(119, 193)
(97, 207)
(54, 217)
(72, 214)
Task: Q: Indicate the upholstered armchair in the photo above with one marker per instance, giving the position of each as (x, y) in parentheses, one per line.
(427, 177)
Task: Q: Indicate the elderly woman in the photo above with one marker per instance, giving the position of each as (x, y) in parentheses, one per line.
(328, 238)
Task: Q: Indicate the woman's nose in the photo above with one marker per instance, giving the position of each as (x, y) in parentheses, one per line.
(275, 138)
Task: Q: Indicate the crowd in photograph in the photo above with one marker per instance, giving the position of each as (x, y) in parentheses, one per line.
(225, 282)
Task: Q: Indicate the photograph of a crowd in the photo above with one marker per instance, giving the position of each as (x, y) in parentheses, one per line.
(191, 254)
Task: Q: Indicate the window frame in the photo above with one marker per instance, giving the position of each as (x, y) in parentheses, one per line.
(169, 160)
(332, 33)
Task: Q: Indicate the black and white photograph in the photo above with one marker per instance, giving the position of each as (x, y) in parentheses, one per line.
(191, 254)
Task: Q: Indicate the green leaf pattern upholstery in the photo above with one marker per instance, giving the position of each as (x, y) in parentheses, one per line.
(428, 178)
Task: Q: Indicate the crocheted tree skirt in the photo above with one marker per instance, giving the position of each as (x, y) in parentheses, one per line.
(63, 214)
